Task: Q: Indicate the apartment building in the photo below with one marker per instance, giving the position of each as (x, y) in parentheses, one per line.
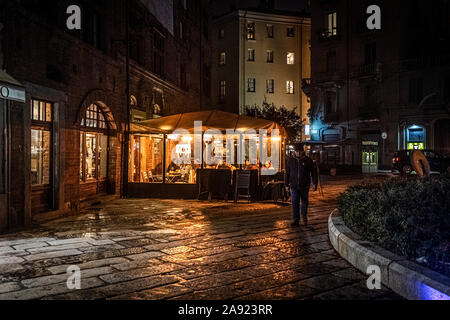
(260, 55)
(374, 92)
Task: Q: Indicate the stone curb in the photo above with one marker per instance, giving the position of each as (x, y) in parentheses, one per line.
(406, 278)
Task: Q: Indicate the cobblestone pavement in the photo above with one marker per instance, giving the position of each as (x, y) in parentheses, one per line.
(177, 249)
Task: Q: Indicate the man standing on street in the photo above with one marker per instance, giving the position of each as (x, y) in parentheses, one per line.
(300, 169)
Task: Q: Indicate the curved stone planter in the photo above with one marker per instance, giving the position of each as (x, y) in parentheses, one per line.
(406, 278)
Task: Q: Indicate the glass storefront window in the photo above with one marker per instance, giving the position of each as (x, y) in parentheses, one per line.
(181, 149)
(93, 156)
(94, 144)
(147, 158)
(147, 161)
(40, 157)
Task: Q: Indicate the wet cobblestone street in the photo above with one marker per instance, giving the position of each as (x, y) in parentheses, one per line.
(178, 249)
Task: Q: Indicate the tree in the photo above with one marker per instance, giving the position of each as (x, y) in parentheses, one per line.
(288, 119)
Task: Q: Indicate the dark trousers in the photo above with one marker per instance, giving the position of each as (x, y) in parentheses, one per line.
(298, 195)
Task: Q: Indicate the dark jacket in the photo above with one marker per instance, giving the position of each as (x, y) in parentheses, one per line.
(299, 172)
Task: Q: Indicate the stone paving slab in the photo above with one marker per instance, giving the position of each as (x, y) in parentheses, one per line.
(178, 249)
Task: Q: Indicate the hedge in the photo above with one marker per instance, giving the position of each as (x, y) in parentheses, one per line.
(408, 216)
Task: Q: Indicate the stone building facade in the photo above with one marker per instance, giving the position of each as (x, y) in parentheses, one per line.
(374, 92)
(260, 55)
(66, 139)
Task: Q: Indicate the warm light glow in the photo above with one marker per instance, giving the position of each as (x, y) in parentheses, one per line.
(290, 58)
(276, 139)
(172, 137)
(186, 138)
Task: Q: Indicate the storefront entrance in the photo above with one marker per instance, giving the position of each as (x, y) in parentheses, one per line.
(11, 92)
(370, 157)
(3, 202)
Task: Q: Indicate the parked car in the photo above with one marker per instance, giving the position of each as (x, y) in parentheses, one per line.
(402, 162)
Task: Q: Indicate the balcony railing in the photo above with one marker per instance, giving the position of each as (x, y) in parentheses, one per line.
(424, 62)
(328, 35)
(369, 70)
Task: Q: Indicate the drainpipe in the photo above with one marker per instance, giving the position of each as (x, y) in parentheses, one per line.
(126, 142)
(243, 59)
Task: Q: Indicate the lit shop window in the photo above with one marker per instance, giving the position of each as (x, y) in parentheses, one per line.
(41, 142)
(94, 143)
(40, 156)
(147, 158)
(93, 156)
(181, 149)
(290, 87)
(290, 58)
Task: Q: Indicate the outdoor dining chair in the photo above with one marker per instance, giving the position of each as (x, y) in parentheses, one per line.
(242, 184)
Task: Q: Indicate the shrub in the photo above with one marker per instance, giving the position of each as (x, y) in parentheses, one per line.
(408, 216)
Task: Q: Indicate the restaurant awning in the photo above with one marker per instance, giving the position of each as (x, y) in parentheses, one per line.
(213, 119)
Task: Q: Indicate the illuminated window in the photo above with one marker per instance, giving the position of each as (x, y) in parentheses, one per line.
(147, 156)
(307, 130)
(94, 143)
(94, 118)
(41, 142)
(290, 58)
(40, 156)
(41, 111)
(290, 87)
(251, 31)
(331, 24)
(270, 56)
(223, 59)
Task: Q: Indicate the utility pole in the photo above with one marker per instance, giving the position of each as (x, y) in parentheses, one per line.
(126, 138)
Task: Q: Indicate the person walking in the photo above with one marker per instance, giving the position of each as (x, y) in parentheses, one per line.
(300, 171)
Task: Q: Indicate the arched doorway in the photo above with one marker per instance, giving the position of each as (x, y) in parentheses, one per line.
(441, 136)
(97, 130)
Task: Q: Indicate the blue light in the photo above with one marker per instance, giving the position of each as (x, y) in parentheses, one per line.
(429, 293)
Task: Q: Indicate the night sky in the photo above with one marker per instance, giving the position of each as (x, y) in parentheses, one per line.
(221, 7)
